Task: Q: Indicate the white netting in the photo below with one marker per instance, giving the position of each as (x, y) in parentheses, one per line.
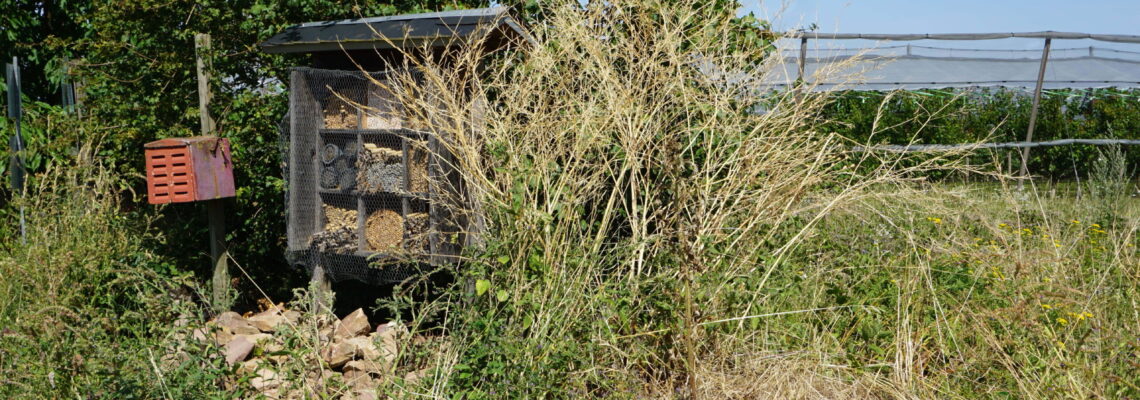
(895, 51)
(914, 66)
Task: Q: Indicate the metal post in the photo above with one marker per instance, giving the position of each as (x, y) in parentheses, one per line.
(215, 209)
(16, 142)
(66, 89)
(1033, 113)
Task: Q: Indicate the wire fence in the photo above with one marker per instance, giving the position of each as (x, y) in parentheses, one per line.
(912, 148)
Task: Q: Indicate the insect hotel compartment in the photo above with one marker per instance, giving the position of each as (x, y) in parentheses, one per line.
(381, 165)
(418, 168)
(384, 227)
(338, 157)
(341, 108)
(339, 233)
(382, 109)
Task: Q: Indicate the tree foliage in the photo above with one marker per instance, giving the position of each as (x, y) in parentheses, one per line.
(135, 60)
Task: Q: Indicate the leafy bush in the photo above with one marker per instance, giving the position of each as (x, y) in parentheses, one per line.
(993, 115)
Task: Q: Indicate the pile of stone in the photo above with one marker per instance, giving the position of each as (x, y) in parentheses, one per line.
(344, 357)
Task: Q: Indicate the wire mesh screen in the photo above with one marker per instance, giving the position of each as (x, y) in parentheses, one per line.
(822, 53)
(368, 197)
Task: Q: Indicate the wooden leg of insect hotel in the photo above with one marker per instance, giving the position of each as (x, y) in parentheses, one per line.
(321, 289)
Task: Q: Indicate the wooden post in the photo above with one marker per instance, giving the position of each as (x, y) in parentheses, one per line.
(215, 209)
(202, 45)
(803, 58)
(802, 64)
(1033, 113)
(218, 254)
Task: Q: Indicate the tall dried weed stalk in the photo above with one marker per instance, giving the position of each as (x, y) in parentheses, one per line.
(629, 183)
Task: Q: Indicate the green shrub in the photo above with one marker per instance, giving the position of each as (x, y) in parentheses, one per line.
(86, 308)
(993, 115)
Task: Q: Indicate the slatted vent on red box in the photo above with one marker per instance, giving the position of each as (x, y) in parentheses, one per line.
(171, 181)
(181, 170)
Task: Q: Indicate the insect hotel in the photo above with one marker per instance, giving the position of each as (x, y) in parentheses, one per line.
(370, 196)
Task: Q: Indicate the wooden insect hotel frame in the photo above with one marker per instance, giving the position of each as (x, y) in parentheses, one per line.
(369, 196)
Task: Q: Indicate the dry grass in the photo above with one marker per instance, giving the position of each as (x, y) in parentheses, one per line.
(628, 196)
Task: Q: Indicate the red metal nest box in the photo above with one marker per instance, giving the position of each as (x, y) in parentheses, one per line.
(180, 170)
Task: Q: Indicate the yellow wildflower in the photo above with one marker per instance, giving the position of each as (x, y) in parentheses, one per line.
(1076, 221)
(997, 274)
(1046, 306)
(1061, 344)
(1062, 321)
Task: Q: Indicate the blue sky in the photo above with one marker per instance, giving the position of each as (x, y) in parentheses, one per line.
(942, 16)
(958, 16)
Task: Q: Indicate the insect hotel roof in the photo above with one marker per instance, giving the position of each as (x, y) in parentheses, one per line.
(433, 30)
